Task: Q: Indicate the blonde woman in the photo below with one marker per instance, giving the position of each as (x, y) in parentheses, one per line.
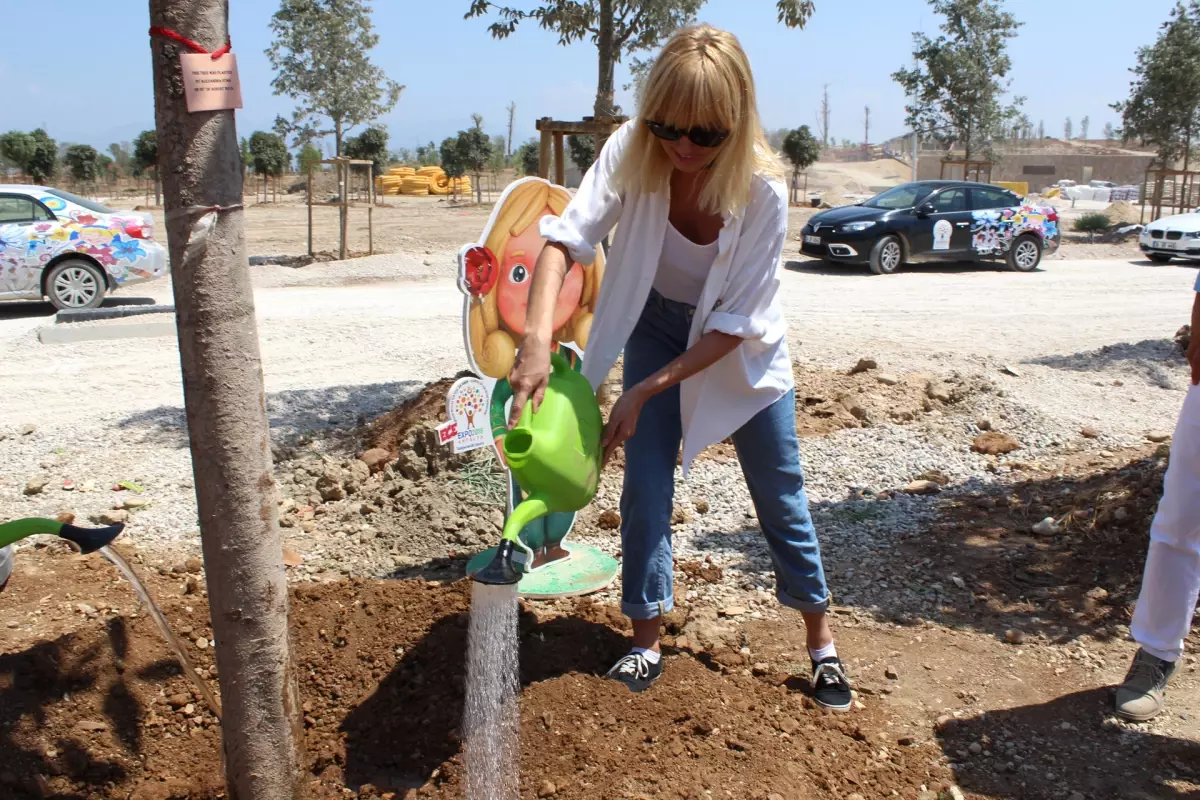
(691, 298)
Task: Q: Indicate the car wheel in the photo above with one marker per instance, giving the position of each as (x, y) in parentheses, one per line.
(1159, 258)
(886, 256)
(75, 283)
(1025, 254)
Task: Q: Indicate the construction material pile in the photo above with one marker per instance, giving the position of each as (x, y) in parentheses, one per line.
(423, 181)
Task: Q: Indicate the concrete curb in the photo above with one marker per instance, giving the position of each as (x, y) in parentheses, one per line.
(69, 334)
(110, 312)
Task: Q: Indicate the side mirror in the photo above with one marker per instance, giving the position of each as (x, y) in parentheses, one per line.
(926, 209)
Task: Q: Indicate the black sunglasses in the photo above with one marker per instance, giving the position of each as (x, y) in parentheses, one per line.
(701, 137)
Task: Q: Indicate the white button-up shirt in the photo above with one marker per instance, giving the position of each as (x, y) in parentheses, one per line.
(740, 295)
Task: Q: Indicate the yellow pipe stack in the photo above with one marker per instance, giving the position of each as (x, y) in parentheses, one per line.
(418, 182)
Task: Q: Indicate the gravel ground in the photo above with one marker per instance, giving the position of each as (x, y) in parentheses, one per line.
(337, 351)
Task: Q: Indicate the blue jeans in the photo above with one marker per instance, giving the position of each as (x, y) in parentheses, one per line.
(769, 453)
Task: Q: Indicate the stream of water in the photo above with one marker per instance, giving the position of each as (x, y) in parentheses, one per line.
(161, 623)
(491, 716)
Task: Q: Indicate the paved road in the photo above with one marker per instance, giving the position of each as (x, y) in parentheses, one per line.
(385, 332)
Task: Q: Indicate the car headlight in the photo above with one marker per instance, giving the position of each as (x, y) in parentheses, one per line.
(855, 227)
(1193, 235)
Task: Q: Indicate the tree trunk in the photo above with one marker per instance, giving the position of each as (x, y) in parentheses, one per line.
(604, 47)
(227, 423)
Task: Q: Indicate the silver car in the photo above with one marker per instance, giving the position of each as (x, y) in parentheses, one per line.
(71, 250)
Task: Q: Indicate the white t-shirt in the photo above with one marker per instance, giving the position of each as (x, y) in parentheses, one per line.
(683, 267)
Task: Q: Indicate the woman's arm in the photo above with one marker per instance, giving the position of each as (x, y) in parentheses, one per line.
(622, 422)
(573, 236)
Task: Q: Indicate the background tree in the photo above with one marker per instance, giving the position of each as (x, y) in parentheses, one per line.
(1041, 130)
(1084, 124)
(956, 87)
(309, 156)
(16, 147)
(582, 150)
(452, 160)
(43, 160)
(404, 155)
(474, 150)
(269, 156)
(1110, 132)
(370, 145)
(618, 28)
(1164, 99)
(320, 59)
(145, 160)
(823, 117)
(527, 157)
(122, 156)
(428, 155)
(498, 160)
(237, 501)
(802, 150)
(1068, 130)
(83, 162)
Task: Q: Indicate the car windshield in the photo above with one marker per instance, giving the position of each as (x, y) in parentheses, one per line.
(906, 196)
(90, 205)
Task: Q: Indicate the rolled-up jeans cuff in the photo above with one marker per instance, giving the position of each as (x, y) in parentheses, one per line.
(806, 606)
(648, 610)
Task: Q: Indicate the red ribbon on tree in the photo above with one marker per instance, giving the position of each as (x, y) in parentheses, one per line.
(174, 36)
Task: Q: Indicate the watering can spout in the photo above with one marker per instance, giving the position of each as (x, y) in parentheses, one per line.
(88, 540)
(501, 571)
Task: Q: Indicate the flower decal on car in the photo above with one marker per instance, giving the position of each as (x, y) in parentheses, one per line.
(127, 248)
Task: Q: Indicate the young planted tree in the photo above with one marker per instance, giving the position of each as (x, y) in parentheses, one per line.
(1084, 124)
(43, 159)
(802, 150)
(428, 155)
(236, 498)
(1068, 130)
(145, 160)
(1110, 132)
(309, 156)
(474, 151)
(512, 121)
(320, 57)
(582, 150)
(268, 156)
(370, 145)
(16, 148)
(527, 157)
(453, 163)
(618, 28)
(957, 87)
(83, 162)
(823, 117)
(498, 159)
(122, 156)
(1163, 108)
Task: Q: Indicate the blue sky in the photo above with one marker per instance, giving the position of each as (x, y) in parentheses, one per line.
(1070, 59)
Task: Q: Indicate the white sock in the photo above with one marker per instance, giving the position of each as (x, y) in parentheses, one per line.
(653, 656)
(828, 651)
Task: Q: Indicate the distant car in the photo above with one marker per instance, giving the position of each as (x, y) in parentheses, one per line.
(1176, 236)
(934, 221)
(71, 250)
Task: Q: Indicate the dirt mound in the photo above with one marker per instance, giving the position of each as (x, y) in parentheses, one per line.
(1123, 213)
(103, 712)
(1067, 545)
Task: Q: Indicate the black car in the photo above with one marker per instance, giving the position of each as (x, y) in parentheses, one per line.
(934, 221)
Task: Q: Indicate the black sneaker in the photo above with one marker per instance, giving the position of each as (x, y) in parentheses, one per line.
(635, 671)
(831, 687)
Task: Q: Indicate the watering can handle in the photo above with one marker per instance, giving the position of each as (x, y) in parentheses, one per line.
(559, 364)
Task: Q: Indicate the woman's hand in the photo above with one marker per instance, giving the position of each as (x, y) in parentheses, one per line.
(528, 378)
(622, 422)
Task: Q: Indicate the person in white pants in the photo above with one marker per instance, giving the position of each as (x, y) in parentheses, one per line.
(6, 564)
(1171, 580)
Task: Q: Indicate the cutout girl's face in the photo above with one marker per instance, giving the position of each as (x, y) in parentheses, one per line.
(516, 276)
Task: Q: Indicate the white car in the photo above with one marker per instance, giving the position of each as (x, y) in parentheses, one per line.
(1177, 236)
(71, 250)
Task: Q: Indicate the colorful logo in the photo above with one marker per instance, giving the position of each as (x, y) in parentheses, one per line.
(467, 405)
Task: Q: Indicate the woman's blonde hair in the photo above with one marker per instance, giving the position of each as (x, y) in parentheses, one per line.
(494, 344)
(701, 78)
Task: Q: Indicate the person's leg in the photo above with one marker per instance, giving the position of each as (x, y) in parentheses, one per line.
(647, 497)
(769, 453)
(1171, 579)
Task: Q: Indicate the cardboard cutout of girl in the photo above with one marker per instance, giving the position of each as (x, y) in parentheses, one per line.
(495, 276)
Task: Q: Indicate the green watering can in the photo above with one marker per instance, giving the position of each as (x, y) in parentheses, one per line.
(554, 455)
